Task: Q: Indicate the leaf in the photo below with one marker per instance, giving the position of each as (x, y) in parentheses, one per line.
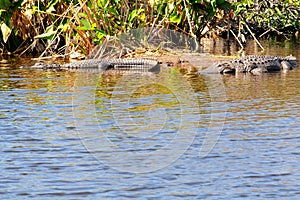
(103, 3)
(6, 31)
(100, 34)
(219, 2)
(49, 33)
(113, 11)
(225, 6)
(64, 26)
(4, 4)
(50, 6)
(175, 18)
(213, 5)
(132, 15)
(86, 25)
(143, 17)
(278, 11)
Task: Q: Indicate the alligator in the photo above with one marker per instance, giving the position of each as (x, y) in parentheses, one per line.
(126, 64)
(255, 64)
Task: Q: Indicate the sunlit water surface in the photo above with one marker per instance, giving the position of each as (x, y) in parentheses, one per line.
(70, 135)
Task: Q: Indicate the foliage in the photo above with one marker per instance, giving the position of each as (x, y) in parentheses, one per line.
(47, 27)
(61, 26)
(279, 17)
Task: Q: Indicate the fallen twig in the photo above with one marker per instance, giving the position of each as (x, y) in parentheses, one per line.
(237, 39)
(252, 34)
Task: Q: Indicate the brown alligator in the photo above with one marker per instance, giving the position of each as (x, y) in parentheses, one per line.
(254, 64)
(126, 64)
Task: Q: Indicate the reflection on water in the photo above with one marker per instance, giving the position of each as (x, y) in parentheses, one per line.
(275, 47)
(69, 135)
(148, 121)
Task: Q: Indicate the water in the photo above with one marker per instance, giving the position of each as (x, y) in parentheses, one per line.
(68, 135)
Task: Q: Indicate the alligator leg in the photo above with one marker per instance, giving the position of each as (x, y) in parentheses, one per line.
(252, 67)
(285, 65)
(258, 70)
(225, 68)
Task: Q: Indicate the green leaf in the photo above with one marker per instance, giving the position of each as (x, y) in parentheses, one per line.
(278, 11)
(49, 33)
(132, 15)
(64, 26)
(175, 18)
(2, 11)
(143, 17)
(219, 2)
(213, 5)
(113, 11)
(86, 25)
(100, 34)
(103, 3)
(50, 6)
(5, 4)
(6, 31)
(224, 6)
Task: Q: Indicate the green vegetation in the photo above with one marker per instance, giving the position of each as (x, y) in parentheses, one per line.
(48, 27)
(276, 17)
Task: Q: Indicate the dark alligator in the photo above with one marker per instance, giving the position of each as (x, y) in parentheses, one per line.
(255, 65)
(126, 64)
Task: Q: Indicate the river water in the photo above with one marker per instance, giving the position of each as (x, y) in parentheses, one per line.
(166, 135)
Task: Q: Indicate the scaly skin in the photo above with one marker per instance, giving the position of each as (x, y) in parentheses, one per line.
(257, 64)
(104, 64)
